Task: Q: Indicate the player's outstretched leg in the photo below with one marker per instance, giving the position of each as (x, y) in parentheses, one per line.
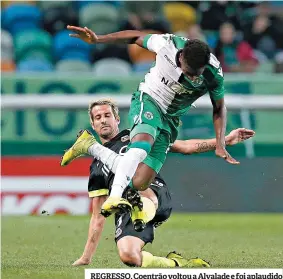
(190, 263)
(84, 141)
(80, 148)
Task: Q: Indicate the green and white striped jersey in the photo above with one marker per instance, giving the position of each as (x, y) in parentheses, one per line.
(166, 83)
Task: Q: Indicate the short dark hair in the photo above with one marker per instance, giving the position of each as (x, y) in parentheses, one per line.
(196, 54)
(100, 102)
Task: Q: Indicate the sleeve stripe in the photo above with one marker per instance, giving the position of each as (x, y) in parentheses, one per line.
(145, 40)
(97, 193)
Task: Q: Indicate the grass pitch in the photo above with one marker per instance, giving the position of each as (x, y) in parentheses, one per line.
(44, 247)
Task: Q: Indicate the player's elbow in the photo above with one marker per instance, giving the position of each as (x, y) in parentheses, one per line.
(130, 257)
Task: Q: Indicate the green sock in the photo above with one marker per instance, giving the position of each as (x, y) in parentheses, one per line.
(132, 185)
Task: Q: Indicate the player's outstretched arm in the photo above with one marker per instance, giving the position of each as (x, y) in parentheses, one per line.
(126, 37)
(95, 229)
(219, 122)
(204, 145)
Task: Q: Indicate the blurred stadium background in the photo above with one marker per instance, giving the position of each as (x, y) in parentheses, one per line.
(44, 73)
(38, 58)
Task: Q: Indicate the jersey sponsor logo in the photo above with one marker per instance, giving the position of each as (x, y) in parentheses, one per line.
(165, 81)
(148, 115)
(170, 61)
(176, 87)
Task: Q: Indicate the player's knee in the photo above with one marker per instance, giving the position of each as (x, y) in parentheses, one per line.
(130, 257)
(149, 194)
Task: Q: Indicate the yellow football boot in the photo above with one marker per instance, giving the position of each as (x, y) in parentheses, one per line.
(143, 209)
(84, 141)
(191, 263)
(138, 215)
(197, 263)
(115, 205)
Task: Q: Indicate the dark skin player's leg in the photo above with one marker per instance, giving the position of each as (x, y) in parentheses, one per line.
(144, 174)
(143, 177)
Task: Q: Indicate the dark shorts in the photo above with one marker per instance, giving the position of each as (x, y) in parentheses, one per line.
(123, 222)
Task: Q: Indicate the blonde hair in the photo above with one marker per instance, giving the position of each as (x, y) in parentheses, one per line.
(101, 102)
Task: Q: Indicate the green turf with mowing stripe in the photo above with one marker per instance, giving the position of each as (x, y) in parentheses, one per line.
(44, 247)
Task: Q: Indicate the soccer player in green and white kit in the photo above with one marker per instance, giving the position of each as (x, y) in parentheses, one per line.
(184, 70)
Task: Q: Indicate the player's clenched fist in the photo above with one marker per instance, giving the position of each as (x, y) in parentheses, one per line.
(84, 34)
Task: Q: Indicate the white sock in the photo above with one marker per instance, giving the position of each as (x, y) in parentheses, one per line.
(108, 157)
(126, 169)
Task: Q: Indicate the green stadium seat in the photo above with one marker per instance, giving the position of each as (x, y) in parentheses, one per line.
(112, 67)
(73, 66)
(101, 18)
(33, 44)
